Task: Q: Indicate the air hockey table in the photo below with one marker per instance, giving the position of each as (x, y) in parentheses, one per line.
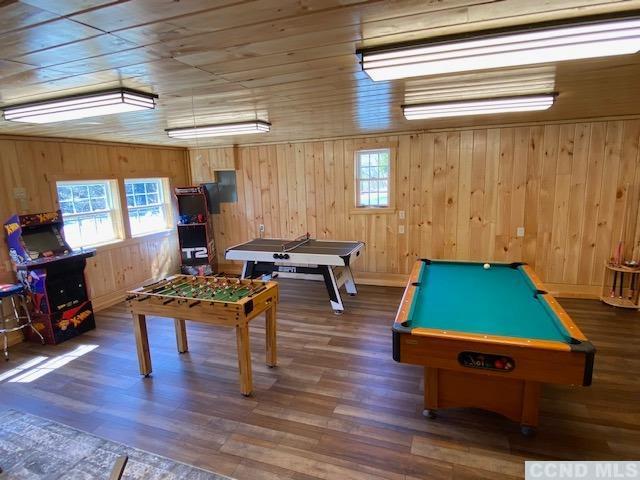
(304, 258)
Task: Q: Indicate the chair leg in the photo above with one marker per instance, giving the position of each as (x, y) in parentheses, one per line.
(4, 332)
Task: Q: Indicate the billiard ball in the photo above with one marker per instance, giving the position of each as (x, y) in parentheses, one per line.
(486, 266)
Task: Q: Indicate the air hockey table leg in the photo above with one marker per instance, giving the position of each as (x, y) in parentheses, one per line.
(333, 290)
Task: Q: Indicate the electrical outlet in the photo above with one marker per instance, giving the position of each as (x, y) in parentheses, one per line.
(401, 214)
(520, 232)
(261, 228)
(19, 193)
(401, 229)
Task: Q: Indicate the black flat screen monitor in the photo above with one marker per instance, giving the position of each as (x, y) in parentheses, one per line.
(192, 204)
(42, 239)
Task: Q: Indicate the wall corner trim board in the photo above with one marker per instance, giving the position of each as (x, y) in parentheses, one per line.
(465, 193)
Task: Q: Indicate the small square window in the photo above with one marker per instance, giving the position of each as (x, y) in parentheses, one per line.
(372, 180)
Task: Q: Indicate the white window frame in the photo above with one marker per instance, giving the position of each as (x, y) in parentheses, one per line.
(113, 202)
(165, 204)
(389, 179)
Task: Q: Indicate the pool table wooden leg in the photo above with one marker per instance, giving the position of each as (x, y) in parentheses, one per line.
(430, 392)
(530, 404)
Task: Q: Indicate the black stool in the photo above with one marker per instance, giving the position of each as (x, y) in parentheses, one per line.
(12, 292)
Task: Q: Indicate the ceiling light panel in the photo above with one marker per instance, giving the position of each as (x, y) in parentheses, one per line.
(81, 106)
(226, 129)
(531, 46)
(478, 107)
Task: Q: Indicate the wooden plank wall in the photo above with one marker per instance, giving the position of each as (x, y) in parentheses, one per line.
(574, 187)
(35, 163)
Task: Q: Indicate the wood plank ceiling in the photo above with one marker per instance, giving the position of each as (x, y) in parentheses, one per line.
(290, 62)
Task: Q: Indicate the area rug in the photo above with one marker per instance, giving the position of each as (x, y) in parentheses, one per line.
(35, 448)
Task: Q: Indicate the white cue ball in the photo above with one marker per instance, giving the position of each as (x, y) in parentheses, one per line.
(486, 266)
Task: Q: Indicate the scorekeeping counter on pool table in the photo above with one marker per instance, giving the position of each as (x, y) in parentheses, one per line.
(488, 336)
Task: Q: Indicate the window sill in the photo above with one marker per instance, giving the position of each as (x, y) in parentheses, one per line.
(158, 233)
(105, 247)
(99, 246)
(373, 211)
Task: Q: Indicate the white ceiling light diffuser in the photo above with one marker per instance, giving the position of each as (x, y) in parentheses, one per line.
(81, 106)
(220, 130)
(486, 50)
(525, 103)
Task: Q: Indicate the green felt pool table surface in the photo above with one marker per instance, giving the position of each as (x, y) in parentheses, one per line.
(466, 297)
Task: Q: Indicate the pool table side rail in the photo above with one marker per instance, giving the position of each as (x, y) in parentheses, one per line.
(554, 306)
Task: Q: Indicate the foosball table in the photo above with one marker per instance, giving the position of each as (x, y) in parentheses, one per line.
(223, 301)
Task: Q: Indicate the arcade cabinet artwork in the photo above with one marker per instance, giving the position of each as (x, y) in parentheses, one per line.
(197, 249)
(52, 273)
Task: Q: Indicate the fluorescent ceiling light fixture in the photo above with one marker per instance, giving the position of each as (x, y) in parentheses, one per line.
(525, 103)
(220, 130)
(508, 48)
(81, 106)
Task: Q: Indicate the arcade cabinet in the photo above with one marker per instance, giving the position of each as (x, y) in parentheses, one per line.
(197, 249)
(53, 273)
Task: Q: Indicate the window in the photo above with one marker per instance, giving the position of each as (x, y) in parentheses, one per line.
(90, 214)
(373, 178)
(147, 205)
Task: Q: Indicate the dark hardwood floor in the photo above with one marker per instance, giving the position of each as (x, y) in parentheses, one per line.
(337, 407)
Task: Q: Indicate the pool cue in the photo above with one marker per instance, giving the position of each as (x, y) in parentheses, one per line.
(621, 284)
(613, 288)
(632, 286)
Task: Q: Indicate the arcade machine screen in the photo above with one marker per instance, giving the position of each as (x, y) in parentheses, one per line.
(190, 205)
(43, 241)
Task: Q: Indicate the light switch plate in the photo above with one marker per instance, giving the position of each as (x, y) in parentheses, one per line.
(401, 229)
(401, 214)
(520, 232)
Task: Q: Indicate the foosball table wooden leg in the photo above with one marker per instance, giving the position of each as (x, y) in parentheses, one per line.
(244, 359)
(142, 343)
(181, 336)
(270, 327)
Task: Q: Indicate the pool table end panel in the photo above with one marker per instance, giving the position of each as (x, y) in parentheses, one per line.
(531, 364)
(513, 398)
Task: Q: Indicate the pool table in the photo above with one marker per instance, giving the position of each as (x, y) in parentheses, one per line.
(488, 336)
